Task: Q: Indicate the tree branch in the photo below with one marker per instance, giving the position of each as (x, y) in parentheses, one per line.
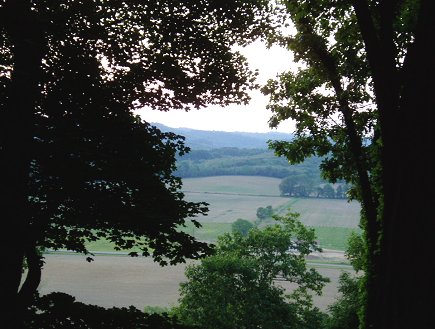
(325, 59)
(368, 33)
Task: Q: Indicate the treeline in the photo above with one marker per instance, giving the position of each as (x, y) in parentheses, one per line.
(244, 162)
(304, 186)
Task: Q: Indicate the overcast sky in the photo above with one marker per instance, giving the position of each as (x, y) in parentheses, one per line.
(251, 118)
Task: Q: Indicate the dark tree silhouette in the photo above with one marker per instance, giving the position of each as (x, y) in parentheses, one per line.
(59, 310)
(76, 164)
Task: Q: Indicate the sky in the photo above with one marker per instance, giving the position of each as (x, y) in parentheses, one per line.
(243, 118)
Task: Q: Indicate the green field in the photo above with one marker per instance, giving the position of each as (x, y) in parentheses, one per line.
(333, 237)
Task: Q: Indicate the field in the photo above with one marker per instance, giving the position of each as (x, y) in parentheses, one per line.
(123, 281)
(233, 197)
(254, 185)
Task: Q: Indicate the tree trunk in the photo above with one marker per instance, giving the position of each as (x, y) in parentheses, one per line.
(26, 37)
(33, 278)
(406, 279)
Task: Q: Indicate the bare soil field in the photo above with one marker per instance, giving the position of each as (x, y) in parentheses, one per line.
(122, 281)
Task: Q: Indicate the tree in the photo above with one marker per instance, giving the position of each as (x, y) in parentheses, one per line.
(264, 212)
(76, 164)
(241, 226)
(297, 185)
(340, 192)
(288, 185)
(344, 312)
(236, 287)
(328, 191)
(360, 100)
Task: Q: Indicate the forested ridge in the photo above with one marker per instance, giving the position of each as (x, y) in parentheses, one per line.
(246, 162)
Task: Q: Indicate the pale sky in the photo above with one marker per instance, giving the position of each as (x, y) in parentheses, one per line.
(250, 118)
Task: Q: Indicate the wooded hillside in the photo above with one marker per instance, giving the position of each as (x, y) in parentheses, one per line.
(250, 162)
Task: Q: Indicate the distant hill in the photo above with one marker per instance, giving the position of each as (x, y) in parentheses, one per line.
(206, 140)
(218, 153)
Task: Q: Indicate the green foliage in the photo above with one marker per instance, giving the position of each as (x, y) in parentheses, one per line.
(241, 226)
(343, 314)
(334, 120)
(235, 288)
(296, 186)
(354, 75)
(156, 310)
(346, 312)
(356, 251)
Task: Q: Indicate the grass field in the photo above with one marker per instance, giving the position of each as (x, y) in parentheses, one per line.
(333, 237)
(254, 185)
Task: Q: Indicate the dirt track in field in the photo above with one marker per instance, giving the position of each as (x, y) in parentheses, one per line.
(123, 281)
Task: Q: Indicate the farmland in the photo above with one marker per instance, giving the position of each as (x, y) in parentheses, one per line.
(233, 197)
(123, 281)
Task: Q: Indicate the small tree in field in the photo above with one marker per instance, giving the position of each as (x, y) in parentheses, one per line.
(241, 226)
(236, 287)
(264, 213)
